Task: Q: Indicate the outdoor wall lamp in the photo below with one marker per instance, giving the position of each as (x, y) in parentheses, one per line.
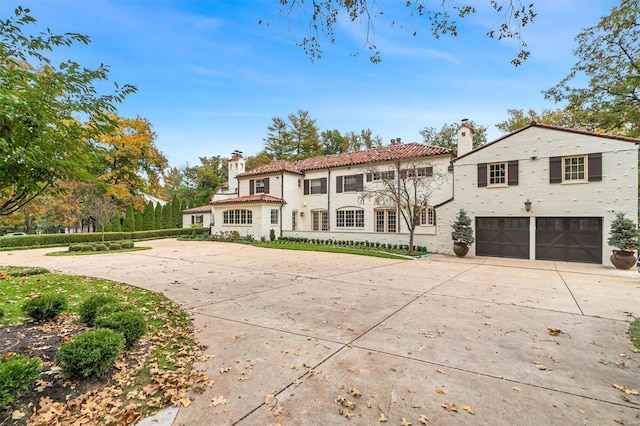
(527, 205)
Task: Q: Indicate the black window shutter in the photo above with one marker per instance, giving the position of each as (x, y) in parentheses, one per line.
(429, 171)
(369, 177)
(266, 185)
(434, 217)
(403, 174)
(391, 175)
(338, 184)
(595, 167)
(512, 172)
(482, 175)
(251, 186)
(555, 169)
(306, 187)
(323, 185)
(359, 182)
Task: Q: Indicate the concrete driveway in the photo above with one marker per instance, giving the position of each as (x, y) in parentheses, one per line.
(302, 338)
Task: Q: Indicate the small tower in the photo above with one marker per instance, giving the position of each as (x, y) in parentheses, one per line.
(465, 137)
(236, 166)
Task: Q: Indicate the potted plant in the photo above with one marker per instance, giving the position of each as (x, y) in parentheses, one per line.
(623, 235)
(462, 234)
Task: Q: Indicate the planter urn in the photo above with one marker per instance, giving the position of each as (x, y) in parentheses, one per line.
(460, 249)
(623, 259)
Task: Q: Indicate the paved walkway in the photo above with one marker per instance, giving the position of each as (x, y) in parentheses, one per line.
(314, 338)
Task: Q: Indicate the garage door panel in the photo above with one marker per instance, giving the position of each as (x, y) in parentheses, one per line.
(502, 237)
(569, 239)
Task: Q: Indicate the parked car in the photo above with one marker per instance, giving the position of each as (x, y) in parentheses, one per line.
(15, 234)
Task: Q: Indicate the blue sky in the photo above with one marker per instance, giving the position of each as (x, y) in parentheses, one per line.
(210, 78)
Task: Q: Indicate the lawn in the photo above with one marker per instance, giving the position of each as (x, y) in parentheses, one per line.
(155, 373)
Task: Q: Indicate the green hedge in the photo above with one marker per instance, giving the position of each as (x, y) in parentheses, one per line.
(89, 237)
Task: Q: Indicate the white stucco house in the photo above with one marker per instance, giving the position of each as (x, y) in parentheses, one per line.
(541, 192)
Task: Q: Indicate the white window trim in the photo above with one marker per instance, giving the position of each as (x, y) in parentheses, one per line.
(585, 177)
(354, 184)
(426, 219)
(355, 220)
(318, 186)
(506, 175)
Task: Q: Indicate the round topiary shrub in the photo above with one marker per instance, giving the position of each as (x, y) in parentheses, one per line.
(126, 244)
(90, 308)
(76, 247)
(90, 353)
(16, 371)
(130, 323)
(100, 247)
(115, 246)
(45, 306)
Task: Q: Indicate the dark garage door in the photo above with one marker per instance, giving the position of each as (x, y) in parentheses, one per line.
(570, 239)
(502, 237)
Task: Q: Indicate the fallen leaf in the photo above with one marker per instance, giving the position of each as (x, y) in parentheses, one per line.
(185, 402)
(440, 391)
(450, 407)
(441, 372)
(268, 399)
(405, 422)
(517, 389)
(423, 419)
(220, 400)
(626, 398)
(354, 392)
(618, 420)
(628, 391)
(542, 367)
(17, 415)
(468, 409)
(554, 331)
(383, 418)
(279, 409)
(224, 369)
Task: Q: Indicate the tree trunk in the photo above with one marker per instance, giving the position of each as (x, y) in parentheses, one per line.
(28, 223)
(411, 231)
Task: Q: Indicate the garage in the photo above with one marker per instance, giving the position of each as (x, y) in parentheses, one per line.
(502, 237)
(569, 239)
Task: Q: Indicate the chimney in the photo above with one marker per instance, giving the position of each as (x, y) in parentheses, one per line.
(465, 137)
(398, 140)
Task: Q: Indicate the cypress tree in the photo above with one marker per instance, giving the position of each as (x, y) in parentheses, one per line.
(166, 216)
(115, 223)
(157, 216)
(129, 223)
(138, 220)
(176, 212)
(148, 217)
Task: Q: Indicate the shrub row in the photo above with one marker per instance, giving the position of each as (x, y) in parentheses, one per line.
(352, 243)
(107, 245)
(90, 237)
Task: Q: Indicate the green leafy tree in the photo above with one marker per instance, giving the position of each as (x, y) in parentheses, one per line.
(447, 136)
(333, 142)
(278, 142)
(102, 209)
(176, 212)
(260, 159)
(518, 119)
(167, 220)
(139, 220)
(42, 142)
(129, 222)
(148, 217)
(157, 217)
(438, 18)
(305, 139)
(608, 55)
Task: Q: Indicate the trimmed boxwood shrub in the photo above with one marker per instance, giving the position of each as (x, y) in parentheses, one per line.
(16, 371)
(115, 246)
(45, 306)
(130, 323)
(90, 353)
(94, 305)
(100, 247)
(127, 244)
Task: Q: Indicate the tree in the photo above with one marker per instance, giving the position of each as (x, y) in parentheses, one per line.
(102, 209)
(609, 57)
(128, 160)
(519, 118)
(278, 143)
(176, 212)
(129, 222)
(42, 141)
(333, 142)
(260, 159)
(115, 223)
(295, 140)
(167, 220)
(438, 16)
(139, 220)
(407, 187)
(447, 136)
(148, 217)
(157, 216)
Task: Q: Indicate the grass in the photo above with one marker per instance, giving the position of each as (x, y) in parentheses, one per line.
(634, 333)
(89, 253)
(171, 347)
(329, 249)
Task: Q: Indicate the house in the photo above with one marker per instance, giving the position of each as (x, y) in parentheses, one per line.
(544, 192)
(541, 192)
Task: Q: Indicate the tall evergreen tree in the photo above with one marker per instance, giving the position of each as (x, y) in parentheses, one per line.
(148, 217)
(129, 223)
(115, 223)
(139, 220)
(157, 217)
(176, 212)
(167, 222)
(305, 139)
(278, 144)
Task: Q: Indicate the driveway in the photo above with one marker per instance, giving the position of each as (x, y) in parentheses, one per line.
(319, 338)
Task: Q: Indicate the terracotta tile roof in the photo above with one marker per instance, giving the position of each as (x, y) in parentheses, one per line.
(200, 209)
(399, 151)
(561, 129)
(259, 198)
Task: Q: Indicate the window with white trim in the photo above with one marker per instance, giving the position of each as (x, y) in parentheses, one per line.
(428, 216)
(497, 174)
(350, 218)
(315, 186)
(376, 176)
(574, 168)
(237, 217)
(386, 220)
(320, 220)
(259, 186)
(274, 216)
(350, 183)
(419, 172)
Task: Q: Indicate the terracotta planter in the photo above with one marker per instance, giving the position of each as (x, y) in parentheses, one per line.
(460, 249)
(623, 259)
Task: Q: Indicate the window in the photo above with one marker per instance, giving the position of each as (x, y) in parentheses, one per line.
(574, 168)
(293, 220)
(497, 174)
(428, 216)
(320, 221)
(350, 218)
(350, 183)
(378, 176)
(274, 216)
(237, 217)
(419, 172)
(315, 186)
(260, 186)
(386, 221)
(197, 219)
